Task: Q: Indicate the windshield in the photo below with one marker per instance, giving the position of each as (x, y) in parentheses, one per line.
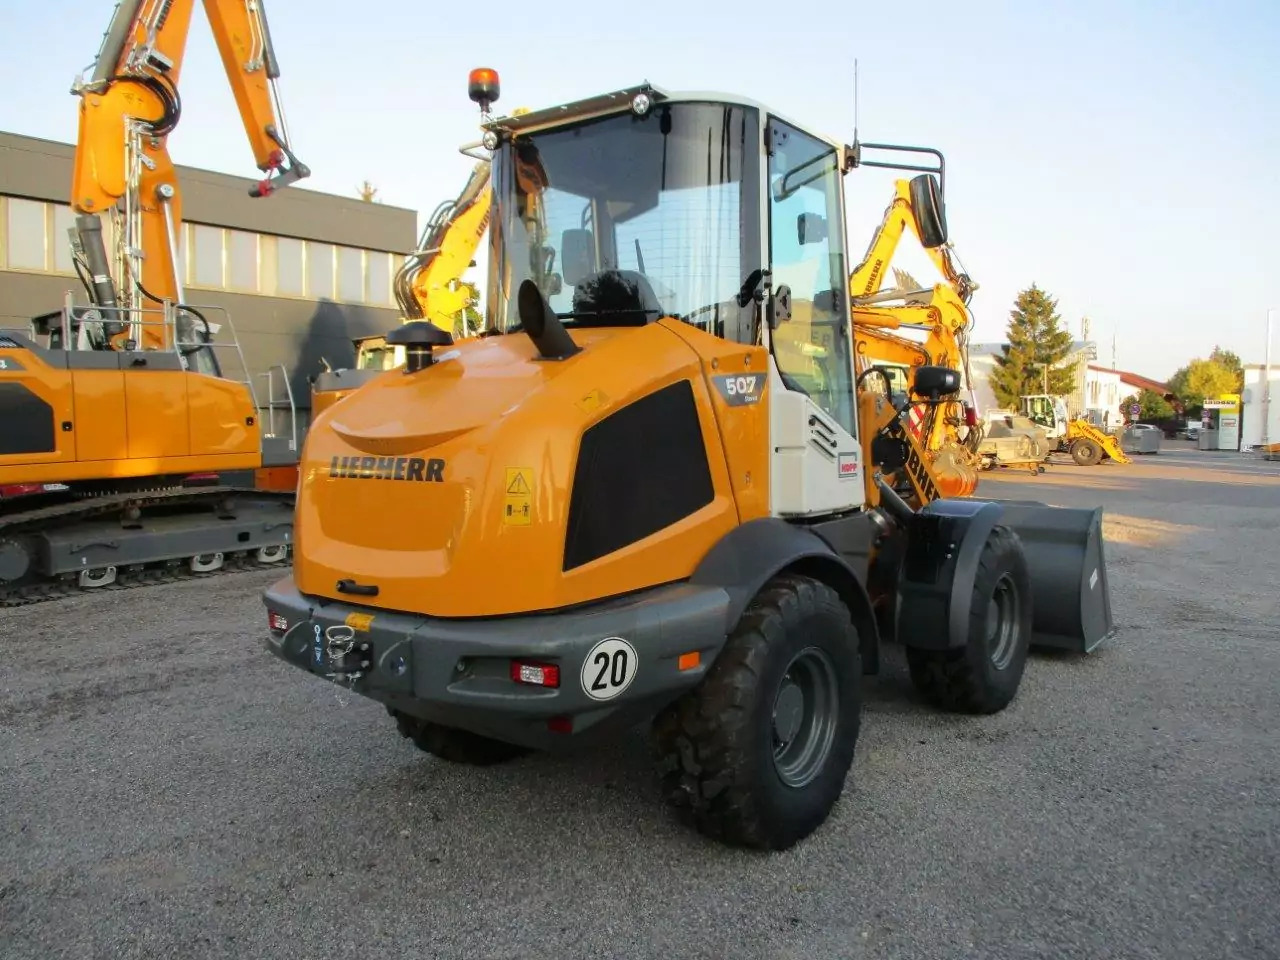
(626, 219)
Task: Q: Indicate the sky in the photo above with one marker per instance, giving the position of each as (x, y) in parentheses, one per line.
(1121, 156)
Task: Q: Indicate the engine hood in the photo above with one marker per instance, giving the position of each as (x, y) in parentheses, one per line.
(447, 490)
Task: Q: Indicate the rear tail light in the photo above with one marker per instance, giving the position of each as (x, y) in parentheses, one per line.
(277, 622)
(535, 674)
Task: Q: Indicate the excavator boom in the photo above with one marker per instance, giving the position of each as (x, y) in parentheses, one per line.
(128, 108)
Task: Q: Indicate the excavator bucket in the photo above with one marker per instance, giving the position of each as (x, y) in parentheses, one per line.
(1071, 597)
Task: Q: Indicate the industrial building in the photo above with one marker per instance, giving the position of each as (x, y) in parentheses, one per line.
(300, 274)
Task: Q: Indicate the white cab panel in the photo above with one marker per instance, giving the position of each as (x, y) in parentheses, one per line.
(815, 465)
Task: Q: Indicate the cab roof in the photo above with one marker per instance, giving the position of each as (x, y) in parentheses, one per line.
(619, 100)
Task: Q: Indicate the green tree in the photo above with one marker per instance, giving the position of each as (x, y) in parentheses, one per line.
(367, 192)
(1206, 378)
(1035, 356)
(1231, 361)
(1151, 406)
(470, 321)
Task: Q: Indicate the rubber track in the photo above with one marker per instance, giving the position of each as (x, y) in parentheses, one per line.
(170, 571)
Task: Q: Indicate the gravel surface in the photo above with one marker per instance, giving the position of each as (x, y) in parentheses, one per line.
(170, 790)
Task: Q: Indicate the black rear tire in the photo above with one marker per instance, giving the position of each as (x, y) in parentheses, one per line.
(454, 745)
(757, 754)
(983, 676)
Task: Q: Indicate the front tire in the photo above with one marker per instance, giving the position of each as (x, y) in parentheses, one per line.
(1086, 453)
(983, 676)
(757, 754)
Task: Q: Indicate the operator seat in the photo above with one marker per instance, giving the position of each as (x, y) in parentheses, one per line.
(621, 297)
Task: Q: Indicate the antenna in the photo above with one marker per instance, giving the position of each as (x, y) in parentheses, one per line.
(855, 99)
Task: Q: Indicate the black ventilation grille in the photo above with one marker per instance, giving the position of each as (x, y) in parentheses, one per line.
(640, 469)
(26, 421)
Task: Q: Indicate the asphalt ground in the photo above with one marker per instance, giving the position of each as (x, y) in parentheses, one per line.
(169, 790)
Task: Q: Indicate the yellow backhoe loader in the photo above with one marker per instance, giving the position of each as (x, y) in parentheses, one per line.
(638, 497)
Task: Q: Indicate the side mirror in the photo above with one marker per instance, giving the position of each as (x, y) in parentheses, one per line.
(577, 255)
(930, 215)
(811, 228)
(935, 382)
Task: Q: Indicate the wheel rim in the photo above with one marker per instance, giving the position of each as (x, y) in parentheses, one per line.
(805, 712)
(1002, 622)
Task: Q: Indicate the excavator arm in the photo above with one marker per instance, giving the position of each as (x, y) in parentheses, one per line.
(900, 215)
(881, 319)
(128, 108)
(429, 283)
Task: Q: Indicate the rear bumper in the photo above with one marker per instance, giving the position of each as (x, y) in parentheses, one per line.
(458, 672)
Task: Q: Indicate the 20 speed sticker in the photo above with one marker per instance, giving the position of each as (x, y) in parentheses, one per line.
(609, 668)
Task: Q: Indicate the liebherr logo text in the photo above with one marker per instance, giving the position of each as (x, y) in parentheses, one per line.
(386, 468)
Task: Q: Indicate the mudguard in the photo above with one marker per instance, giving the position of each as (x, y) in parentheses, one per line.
(944, 544)
(1071, 594)
(750, 555)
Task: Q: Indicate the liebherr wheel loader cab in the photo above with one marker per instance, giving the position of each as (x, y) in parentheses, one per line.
(645, 493)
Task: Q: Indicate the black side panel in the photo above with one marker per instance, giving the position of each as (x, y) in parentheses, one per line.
(26, 421)
(639, 470)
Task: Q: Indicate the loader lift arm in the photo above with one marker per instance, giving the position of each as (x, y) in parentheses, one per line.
(128, 107)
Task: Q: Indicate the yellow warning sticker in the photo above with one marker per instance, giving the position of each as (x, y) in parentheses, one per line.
(519, 481)
(360, 621)
(518, 511)
(517, 506)
(592, 401)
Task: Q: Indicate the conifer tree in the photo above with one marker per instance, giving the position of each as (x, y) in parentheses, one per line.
(1036, 338)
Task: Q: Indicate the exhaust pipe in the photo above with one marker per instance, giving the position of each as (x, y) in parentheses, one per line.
(542, 325)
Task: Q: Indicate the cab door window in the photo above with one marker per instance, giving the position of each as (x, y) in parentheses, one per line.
(806, 250)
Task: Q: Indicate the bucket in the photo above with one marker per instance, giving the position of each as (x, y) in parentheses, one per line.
(1071, 598)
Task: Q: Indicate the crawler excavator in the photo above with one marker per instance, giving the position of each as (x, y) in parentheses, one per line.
(115, 410)
(622, 503)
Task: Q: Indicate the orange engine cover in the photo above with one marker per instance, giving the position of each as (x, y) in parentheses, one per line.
(451, 489)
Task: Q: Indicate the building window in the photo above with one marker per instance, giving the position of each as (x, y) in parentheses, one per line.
(319, 270)
(350, 274)
(206, 256)
(379, 278)
(64, 221)
(289, 266)
(36, 236)
(242, 261)
(25, 225)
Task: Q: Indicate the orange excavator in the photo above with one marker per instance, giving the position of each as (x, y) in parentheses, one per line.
(139, 457)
